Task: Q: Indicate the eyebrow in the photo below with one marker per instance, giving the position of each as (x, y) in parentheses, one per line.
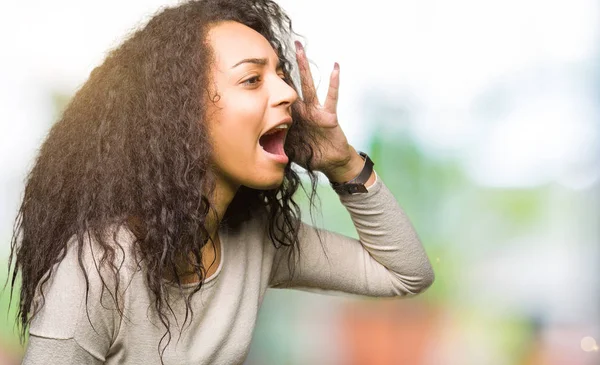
(258, 61)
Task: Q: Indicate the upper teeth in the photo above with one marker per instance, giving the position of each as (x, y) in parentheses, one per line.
(274, 129)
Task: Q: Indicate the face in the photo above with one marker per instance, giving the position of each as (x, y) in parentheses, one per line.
(248, 119)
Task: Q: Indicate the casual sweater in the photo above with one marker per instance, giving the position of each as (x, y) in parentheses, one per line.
(387, 260)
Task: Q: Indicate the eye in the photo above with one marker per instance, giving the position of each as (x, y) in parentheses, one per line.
(251, 81)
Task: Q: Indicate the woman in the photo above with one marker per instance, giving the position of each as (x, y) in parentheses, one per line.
(161, 207)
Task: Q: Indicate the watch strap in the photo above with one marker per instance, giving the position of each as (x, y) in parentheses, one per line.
(356, 185)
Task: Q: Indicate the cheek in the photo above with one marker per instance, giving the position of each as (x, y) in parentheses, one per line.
(241, 124)
(242, 120)
(236, 127)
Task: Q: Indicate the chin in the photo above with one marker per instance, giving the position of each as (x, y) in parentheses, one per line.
(267, 174)
(271, 185)
(275, 185)
(266, 184)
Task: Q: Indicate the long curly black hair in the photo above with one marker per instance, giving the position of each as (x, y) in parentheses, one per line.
(132, 149)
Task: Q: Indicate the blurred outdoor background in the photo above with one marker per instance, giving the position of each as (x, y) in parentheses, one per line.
(483, 119)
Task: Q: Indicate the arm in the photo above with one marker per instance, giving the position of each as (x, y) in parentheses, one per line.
(387, 259)
(41, 349)
(67, 330)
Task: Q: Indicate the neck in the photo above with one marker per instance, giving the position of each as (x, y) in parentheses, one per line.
(222, 197)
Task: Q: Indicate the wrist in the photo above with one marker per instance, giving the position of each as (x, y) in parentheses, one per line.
(349, 170)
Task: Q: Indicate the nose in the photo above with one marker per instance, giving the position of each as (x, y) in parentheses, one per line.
(283, 94)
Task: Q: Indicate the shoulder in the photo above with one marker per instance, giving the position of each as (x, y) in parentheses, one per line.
(78, 299)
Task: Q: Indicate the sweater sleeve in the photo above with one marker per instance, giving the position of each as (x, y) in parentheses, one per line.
(48, 351)
(387, 259)
(67, 323)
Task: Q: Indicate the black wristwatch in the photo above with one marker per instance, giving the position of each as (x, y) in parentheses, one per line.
(356, 185)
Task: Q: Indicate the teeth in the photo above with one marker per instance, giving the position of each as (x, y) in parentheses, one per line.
(275, 129)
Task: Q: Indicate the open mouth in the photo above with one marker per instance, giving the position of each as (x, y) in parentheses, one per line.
(273, 141)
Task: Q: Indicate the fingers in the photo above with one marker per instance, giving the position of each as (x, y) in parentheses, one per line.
(302, 109)
(334, 87)
(309, 94)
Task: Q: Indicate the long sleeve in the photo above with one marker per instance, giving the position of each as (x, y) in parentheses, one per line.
(47, 351)
(67, 330)
(387, 260)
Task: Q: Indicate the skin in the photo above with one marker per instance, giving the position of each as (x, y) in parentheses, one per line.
(252, 99)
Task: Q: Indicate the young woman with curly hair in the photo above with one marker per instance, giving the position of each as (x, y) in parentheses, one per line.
(161, 204)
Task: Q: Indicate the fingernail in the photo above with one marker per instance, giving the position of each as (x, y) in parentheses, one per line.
(299, 46)
(336, 66)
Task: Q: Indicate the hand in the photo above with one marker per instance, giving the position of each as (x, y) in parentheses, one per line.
(333, 153)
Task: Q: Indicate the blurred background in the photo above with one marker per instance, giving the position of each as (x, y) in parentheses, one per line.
(482, 117)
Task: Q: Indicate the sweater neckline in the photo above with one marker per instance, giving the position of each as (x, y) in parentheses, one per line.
(212, 279)
(222, 256)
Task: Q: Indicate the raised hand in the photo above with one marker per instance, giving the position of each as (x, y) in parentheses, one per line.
(334, 153)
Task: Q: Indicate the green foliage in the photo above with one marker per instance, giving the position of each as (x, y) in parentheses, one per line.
(9, 338)
(449, 211)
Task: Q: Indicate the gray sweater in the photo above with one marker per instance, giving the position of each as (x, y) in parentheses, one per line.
(387, 260)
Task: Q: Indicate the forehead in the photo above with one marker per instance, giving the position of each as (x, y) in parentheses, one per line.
(232, 41)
